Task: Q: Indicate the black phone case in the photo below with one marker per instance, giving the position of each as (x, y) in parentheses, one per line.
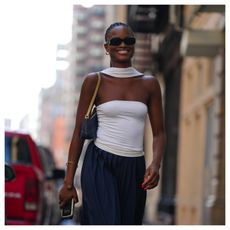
(68, 210)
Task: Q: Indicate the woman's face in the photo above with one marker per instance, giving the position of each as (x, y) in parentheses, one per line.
(122, 53)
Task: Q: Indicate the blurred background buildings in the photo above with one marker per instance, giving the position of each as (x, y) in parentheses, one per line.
(184, 47)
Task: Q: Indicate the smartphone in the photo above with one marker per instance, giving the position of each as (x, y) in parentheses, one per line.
(68, 210)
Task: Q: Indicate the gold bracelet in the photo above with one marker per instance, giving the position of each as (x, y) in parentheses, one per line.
(70, 162)
(69, 186)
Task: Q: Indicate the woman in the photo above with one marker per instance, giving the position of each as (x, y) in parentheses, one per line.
(114, 179)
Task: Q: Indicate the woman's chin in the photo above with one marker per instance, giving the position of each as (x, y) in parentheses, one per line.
(123, 59)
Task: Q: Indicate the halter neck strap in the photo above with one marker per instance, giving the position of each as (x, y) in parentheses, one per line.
(122, 72)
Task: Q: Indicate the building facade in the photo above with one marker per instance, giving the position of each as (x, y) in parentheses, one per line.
(200, 179)
(54, 110)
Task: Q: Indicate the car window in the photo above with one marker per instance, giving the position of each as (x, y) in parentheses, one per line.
(17, 150)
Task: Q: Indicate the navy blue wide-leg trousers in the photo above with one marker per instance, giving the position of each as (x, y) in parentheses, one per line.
(111, 188)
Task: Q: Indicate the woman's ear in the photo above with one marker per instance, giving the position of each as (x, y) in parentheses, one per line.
(106, 47)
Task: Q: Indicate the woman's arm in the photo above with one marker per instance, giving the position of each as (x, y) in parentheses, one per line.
(156, 117)
(68, 191)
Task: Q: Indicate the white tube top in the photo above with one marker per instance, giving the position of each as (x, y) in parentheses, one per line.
(121, 127)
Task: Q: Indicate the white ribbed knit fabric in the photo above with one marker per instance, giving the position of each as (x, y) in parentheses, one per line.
(122, 72)
(121, 127)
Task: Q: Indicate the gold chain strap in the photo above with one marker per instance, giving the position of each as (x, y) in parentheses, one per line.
(94, 96)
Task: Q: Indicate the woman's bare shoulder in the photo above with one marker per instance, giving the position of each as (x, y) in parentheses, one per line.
(148, 77)
(150, 82)
(90, 80)
(91, 77)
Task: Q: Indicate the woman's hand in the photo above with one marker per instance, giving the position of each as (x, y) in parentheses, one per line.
(67, 194)
(151, 177)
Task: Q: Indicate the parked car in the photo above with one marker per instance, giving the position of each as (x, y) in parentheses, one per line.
(53, 177)
(24, 195)
(32, 198)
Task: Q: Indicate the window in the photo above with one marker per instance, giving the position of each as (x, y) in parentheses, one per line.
(81, 43)
(81, 17)
(209, 136)
(209, 165)
(98, 11)
(96, 52)
(81, 30)
(97, 24)
(17, 150)
(96, 38)
(81, 57)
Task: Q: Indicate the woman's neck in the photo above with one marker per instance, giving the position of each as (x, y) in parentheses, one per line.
(120, 65)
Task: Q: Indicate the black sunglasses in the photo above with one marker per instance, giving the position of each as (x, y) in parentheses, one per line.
(129, 41)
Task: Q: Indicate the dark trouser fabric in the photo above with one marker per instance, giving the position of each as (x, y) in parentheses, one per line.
(111, 188)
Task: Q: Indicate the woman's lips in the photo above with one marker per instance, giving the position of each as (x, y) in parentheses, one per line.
(123, 51)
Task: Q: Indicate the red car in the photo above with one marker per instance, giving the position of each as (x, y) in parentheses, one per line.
(24, 194)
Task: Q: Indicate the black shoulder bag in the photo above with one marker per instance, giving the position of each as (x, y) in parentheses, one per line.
(90, 123)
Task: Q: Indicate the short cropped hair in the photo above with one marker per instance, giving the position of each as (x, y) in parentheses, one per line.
(112, 26)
